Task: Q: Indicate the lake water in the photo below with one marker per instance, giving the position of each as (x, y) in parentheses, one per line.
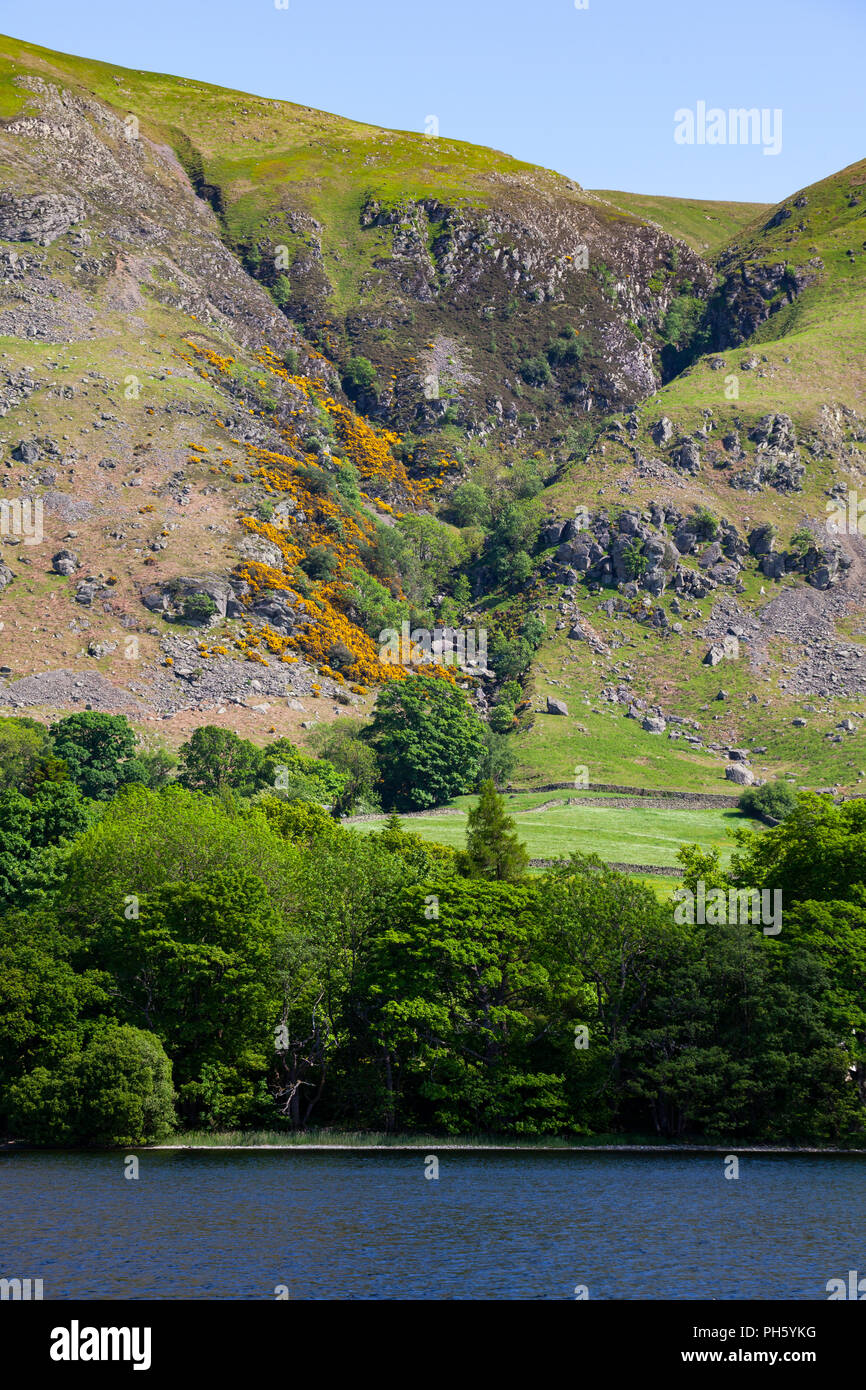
(213, 1225)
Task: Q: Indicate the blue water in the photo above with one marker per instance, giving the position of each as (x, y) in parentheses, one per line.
(369, 1225)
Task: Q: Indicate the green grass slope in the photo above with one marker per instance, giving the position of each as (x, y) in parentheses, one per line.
(800, 269)
(254, 150)
(704, 224)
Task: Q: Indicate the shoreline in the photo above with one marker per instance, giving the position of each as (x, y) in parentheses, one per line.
(431, 1144)
(499, 1148)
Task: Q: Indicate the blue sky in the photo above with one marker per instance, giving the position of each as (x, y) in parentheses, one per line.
(591, 92)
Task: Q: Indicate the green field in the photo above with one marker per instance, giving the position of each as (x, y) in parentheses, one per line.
(643, 835)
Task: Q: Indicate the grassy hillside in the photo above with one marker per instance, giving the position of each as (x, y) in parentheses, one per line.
(378, 241)
(706, 224)
(266, 143)
(330, 330)
(797, 276)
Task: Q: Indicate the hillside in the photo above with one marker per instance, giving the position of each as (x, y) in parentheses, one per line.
(706, 225)
(763, 431)
(280, 380)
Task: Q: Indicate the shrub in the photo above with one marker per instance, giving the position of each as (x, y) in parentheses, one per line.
(521, 567)
(774, 799)
(116, 1090)
(469, 505)
(498, 759)
(536, 371)
(636, 562)
(359, 376)
(320, 563)
(565, 349)
(311, 477)
(198, 608)
(509, 659)
(510, 693)
(682, 318)
(502, 719)
(704, 524)
(282, 290)
(339, 655)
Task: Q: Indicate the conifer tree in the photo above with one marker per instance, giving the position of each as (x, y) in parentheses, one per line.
(492, 848)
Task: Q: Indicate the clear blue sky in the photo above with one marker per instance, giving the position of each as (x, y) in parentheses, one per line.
(590, 92)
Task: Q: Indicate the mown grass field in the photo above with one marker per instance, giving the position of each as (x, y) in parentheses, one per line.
(643, 835)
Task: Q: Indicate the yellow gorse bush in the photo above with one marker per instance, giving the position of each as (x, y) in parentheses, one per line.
(316, 519)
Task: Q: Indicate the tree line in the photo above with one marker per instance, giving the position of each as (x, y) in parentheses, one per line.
(231, 956)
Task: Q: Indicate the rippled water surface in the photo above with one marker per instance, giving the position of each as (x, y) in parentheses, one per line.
(369, 1225)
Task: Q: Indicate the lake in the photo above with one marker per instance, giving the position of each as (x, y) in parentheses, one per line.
(369, 1225)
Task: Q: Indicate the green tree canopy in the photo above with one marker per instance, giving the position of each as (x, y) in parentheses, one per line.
(289, 771)
(461, 1003)
(775, 799)
(25, 753)
(818, 852)
(146, 839)
(197, 969)
(498, 759)
(359, 376)
(45, 1001)
(99, 751)
(116, 1090)
(301, 822)
(469, 505)
(31, 827)
(354, 759)
(217, 759)
(429, 742)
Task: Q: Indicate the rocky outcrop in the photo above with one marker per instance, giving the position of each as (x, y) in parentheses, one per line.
(654, 724)
(141, 209)
(776, 461)
(65, 562)
(687, 458)
(169, 597)
(636, 553)
(40, 217)
(751, 291)
(511, 258)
